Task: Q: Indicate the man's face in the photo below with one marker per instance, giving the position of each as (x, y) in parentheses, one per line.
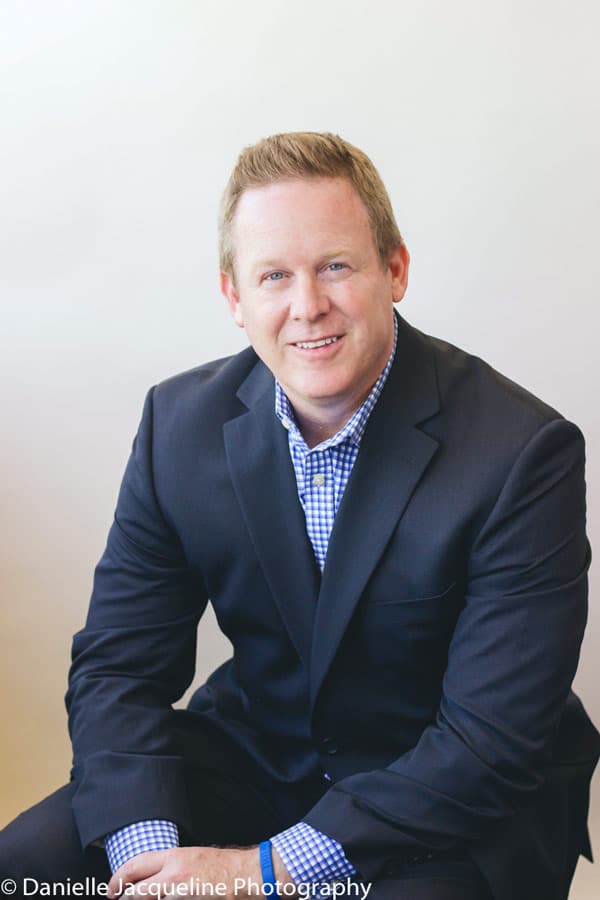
(311, 291)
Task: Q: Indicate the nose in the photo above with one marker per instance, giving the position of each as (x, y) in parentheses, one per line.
(309, 300)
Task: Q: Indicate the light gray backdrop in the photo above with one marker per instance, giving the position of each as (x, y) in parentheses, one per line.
(119, 123)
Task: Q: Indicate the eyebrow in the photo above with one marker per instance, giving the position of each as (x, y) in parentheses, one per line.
(267, 264)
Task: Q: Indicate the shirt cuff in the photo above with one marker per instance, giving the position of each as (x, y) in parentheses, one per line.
(310, 856)
(139, 837)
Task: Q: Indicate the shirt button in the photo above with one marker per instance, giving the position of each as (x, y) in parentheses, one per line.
(318, 480)
(329, 746)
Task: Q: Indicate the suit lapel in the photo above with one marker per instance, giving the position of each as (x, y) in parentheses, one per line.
(264, 481)
(392, 458)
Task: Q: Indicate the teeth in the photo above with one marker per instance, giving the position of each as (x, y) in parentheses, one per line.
(310, 345)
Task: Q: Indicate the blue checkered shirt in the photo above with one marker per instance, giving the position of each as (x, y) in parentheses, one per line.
(322, 474)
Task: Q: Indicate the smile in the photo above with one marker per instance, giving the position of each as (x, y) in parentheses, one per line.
(310, 345)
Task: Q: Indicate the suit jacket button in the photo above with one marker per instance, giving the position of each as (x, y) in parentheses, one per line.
(329, 746)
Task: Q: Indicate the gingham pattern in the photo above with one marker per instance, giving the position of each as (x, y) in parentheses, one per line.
(306, 853)
(141, 837)
(310, 856)
(323, 472)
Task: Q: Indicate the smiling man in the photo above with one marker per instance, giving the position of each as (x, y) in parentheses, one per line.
(314, 296)
(392, 536)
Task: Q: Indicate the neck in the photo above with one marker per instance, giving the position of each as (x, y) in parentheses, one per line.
(318, 424)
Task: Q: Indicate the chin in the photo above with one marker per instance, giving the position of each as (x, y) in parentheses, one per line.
(317, 385)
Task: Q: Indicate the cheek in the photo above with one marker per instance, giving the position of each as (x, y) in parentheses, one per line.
(357, 302)
(263, 326)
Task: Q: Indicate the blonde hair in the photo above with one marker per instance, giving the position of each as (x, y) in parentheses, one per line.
(308, 154)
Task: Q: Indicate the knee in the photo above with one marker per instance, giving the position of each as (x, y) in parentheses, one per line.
(43, 843)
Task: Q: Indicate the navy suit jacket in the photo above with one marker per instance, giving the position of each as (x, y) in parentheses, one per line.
(428, 670)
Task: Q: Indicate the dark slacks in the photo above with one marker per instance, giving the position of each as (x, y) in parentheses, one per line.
(233, 804)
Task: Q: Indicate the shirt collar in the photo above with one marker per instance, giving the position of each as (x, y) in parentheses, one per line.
(354, 428)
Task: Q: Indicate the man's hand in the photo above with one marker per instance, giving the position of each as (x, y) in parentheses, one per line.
(182, 871)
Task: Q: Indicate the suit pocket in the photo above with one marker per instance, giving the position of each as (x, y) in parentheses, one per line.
(414, 609)
(406, 639)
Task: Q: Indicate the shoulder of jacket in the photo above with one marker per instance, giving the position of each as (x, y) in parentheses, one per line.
(467, 378)
(218, 378)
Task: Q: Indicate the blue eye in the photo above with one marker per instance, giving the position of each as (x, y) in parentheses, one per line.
(275, 276)
(335, 267)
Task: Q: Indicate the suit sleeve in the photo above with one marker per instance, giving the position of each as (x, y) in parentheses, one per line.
(511, 660)
(133, 659)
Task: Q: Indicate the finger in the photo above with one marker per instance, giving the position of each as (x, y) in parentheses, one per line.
(144, 865)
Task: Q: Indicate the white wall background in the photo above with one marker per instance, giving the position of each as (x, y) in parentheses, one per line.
(119, 123)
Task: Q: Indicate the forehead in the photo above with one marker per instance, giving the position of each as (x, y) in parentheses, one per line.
(299, 212)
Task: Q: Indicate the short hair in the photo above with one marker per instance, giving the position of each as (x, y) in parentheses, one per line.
(308, 154)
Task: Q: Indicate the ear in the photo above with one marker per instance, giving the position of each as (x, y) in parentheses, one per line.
(398, 269)
(233, 301)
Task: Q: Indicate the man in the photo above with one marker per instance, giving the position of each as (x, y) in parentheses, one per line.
(393, 538)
